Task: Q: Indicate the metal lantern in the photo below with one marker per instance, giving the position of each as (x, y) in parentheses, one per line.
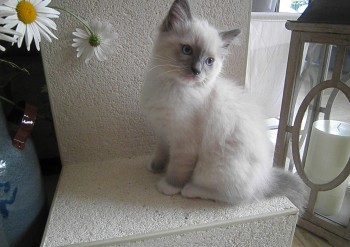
(314, 131)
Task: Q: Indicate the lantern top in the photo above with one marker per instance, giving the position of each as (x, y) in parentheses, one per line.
(325, 11)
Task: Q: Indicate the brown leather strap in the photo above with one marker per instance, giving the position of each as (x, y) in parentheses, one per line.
(25, 127)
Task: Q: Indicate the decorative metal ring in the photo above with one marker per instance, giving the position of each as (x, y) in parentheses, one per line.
(296, 133)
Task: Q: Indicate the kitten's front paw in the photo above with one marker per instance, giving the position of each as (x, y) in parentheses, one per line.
(166, 188)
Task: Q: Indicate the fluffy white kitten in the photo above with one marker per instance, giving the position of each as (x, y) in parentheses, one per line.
(212, 139)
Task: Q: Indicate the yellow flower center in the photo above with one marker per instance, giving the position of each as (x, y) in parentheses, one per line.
(26, 12)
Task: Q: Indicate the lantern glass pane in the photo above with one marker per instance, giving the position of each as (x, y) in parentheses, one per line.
(337, 108)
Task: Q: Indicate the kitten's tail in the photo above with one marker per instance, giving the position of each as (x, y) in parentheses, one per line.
(284, 183)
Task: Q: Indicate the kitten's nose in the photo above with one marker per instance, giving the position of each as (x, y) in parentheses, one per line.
(195, 71)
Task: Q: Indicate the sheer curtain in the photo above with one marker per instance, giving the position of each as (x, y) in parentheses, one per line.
(267, 59)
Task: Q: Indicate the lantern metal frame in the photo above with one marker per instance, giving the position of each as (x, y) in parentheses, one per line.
(289, 131)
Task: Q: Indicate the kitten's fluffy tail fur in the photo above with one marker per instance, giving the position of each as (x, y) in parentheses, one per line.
(283, 183)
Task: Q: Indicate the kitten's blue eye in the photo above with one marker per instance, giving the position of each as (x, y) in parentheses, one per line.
(209, 61)
(186, 49)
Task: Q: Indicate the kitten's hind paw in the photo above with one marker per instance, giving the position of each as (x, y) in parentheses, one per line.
(165, 188)
(193, 191)
(155, 167)
(190, 191)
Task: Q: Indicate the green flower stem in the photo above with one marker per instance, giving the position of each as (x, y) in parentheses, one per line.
(15, 66)
(86, 25)
(11, 103)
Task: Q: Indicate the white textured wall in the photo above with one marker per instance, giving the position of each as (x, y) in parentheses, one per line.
(96, 106)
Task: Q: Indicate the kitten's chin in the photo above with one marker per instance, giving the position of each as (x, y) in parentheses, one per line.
(192, 80)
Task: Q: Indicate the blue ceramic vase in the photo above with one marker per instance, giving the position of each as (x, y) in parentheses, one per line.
(21, 192)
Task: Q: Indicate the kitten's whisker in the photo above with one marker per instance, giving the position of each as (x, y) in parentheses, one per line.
(169, 71)
(165, 58)
(165, 65)
(159, 59)
(220, 74)
(204, 82)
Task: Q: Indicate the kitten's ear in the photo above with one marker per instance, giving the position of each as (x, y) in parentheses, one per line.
(228, 36)
(179, 12)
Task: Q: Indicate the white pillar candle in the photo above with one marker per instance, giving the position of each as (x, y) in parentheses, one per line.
(328, 153)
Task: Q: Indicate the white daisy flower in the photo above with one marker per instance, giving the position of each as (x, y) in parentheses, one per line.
(97, 39)
(31, 18)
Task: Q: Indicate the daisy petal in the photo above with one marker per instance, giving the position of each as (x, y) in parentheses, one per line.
(10, 25)
(21, 28)
(7, 38)
(82, 35)
(100, 54)
(8, 31)
(10, 18)
(47, 22)
(43, 33)
(36, 36)
(35, 2)
(5, 9)
(45, 29)
(11, 3)
(88, 56)
(49, 11)
(29, 36)
(46, 2)
(80, 51)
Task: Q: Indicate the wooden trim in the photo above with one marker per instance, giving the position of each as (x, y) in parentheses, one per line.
(318, 27)
(332, 238)
(347, 231)
(326, 38)
(328, 225)
(293, 64)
